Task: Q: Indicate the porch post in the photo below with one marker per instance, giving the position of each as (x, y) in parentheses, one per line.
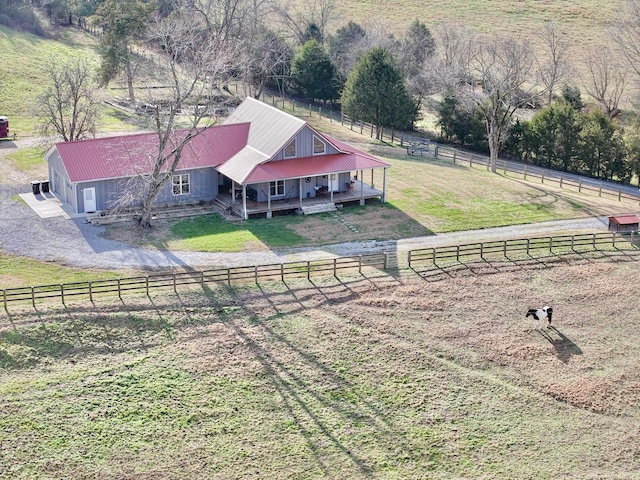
(384, 185)
(372, 186)
(361, 187)
(244, 202)
(269, 202)
(331, 177)
(233, 192)
(300, 190)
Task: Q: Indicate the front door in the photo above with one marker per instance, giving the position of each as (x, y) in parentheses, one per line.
(89, 200)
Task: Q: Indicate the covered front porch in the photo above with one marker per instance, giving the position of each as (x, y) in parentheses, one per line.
(358, 191)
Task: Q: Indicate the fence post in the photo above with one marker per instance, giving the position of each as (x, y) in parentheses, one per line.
(542, 178)
(386, 260)
(504, 249)
(146, 283)
(561, 178)
(175, 288)
(579, 185)
(613, 239)
(229, 276)
(4, 298)
(308, 270)
(309, 110)
(471, 160)
(457, 253)
(202, 279)
(594, 241)
(620, 194)
(360, 263)
(454, 155)
(62, 293)
(435, 151)
(33, 297)
(119, 291)
(255, 274)
(482, 251)
(433, 255)
(360, 128)
(282, 272)
(342, 118)
(572, 242)
(550, 244)
(320, 113)
(334, 267)
(528, 246)
(90, 292)
(600, 191)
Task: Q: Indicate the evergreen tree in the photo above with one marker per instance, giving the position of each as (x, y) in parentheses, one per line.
(375, 92)
(313, 73)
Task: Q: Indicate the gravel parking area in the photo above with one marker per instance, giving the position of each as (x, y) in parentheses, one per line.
(75, 243)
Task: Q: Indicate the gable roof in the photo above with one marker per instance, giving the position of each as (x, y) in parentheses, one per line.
(129, 155)
(241, 148)
(271, 130)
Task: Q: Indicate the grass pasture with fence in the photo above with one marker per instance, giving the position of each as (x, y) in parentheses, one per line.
(433, 372)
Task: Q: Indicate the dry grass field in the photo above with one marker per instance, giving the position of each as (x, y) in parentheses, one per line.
(427, 374)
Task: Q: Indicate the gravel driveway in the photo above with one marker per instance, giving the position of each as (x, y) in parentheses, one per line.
(78, 244)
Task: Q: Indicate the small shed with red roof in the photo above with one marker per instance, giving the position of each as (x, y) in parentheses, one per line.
(624, 223)
(259, 155)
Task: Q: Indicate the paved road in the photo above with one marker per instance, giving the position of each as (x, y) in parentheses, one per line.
(79, 244)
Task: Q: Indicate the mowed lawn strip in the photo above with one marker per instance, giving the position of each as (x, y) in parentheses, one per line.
(354, 377)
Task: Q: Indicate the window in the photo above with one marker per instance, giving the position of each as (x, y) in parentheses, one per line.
(290, 150)
(181, 184)
(318, 146)
(277, 188)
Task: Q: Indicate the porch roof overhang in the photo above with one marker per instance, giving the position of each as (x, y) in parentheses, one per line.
(312, 166)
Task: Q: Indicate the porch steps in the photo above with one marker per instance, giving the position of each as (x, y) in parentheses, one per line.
(319, 208)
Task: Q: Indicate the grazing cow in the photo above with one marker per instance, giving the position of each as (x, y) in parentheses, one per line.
(541, 314)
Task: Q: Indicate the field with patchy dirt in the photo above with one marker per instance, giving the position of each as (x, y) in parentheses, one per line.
(428, 374)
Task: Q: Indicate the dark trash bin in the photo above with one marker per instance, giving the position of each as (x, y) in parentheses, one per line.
(44, 186)
(35, 187)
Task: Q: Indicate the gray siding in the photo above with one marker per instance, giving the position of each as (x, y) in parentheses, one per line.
(304, 145)
(203, 186)
(292, 187)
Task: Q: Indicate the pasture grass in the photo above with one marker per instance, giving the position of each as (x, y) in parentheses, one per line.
(21, 271)
(372, 376)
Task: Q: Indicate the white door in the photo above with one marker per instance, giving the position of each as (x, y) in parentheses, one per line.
(89, 199)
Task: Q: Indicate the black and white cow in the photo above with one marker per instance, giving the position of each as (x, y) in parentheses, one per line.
(540, 314)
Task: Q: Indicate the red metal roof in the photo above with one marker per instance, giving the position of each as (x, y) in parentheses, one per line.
(309, 166)
(128, 155)
(625, 219)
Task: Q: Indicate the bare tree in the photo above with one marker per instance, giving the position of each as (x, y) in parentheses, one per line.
(68, 106)
(627, 33)
(605, 80)
(554, 68)
(193, 64)
(500, 83)
(303, 19)
(226, 19)
(456, 47)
